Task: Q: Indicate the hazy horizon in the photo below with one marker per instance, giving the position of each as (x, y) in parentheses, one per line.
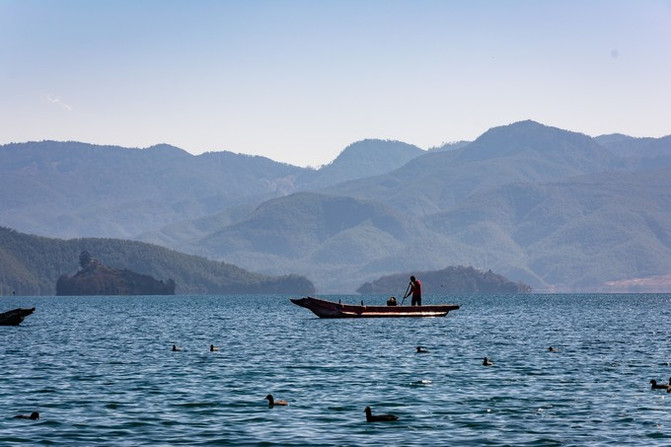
(298, 81)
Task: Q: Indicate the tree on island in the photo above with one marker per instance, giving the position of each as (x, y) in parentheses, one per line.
(84, 259)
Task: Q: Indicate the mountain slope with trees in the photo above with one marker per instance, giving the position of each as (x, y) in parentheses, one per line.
(573, 234)
(68, 189)
(521, 152)
(32, 265)
(366, 158)
(529, 203)
(556, 209)
(71, 189)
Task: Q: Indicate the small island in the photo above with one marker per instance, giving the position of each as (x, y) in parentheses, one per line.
(95, 278)
(454, 279)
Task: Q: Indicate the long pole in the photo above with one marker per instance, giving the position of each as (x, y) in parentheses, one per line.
(406, 293)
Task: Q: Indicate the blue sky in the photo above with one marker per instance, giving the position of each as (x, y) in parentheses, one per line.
(298, 81)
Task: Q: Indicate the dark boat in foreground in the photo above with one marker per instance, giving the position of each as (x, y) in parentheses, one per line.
(331, 309)
(14, 317)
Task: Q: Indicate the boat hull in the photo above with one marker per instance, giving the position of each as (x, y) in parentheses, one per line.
(331, 309)
(14, 317)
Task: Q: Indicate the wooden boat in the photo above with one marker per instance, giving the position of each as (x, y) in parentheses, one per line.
(14, 317)
(331, 309)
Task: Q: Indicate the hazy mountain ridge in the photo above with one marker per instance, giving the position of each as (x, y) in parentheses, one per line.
(554, 257)
(568, 233)
(638, 153)
(521, 152)
(536, 203)
(110, 191)
(362, 159)
(117, 192)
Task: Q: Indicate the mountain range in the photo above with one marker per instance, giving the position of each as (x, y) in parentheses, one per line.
(556, 209)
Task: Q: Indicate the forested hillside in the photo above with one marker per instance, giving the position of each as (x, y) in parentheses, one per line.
(70, 189)
(31, 265)
(559, 210)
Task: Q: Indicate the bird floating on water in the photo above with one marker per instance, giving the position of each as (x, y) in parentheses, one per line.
(213, 348)
(421, 350)
(273, 402)
(487, 362)
(175, 348)
(659, 386)
(32, 416)
(370, 417)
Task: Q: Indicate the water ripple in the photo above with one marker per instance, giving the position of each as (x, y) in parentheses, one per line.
(100, 371)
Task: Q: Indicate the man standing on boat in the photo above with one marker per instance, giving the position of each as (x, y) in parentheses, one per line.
(414, 288)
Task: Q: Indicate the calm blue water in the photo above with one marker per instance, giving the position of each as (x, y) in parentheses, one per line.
(100, 371)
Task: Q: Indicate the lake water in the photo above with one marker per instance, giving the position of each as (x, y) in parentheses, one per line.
(101, 372)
